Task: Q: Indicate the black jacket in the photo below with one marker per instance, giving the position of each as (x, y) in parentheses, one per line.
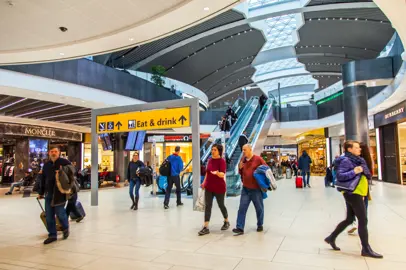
(243, 140)
(132, 169)
(48, 181)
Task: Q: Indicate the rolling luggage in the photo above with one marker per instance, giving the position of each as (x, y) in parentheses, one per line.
(44, 220)
(288, 173)
(299, 182)
(80, 209)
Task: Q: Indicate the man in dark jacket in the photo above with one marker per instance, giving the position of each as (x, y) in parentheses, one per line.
(134, 179)
(304, 167)
(54, 200)
(243, 140)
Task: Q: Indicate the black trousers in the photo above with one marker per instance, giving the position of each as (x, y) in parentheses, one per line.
(173, 180)
(355, 208)
(208, 197)
(71, 206)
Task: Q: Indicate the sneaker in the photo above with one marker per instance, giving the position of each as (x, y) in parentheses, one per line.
(8, 193)
(166, 206)
(179, 204)
(204, 231)
(260, 229)
(225, 226)
(66, 234)
(79, 219)
(308, 186)
(238, 232)
(49, 240)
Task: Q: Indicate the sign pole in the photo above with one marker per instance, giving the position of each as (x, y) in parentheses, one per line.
(194, 116)
(154, 182)
(94, 176)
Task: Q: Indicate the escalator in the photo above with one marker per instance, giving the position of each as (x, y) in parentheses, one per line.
(255, 128)
(205, 152)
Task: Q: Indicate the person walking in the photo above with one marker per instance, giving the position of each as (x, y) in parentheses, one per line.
(352, 180)
(176, 168)
(251, 192)
(243, 140)
(304, 167)
(366, 155)
(214, 185)
(134, 179)
(54, 200)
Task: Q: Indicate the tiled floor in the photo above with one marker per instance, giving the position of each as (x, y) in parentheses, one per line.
(296, 222)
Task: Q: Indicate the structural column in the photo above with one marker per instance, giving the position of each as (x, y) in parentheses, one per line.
(120, 157)
(356, 113)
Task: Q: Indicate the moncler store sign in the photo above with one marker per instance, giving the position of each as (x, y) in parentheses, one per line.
(35, 131)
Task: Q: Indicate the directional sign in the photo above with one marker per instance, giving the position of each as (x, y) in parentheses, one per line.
(147, 120)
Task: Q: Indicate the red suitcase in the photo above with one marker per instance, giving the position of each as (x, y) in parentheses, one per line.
(299, 182)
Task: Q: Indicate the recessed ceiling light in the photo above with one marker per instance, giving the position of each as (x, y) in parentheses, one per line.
(131, 39)
(206, 9)
(61, 53)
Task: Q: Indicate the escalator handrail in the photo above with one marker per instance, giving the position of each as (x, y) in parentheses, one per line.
(239, 121)
(236, 107)
(250, 111)
(256, 130)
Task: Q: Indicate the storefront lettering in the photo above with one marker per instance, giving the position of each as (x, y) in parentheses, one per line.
(396, 112)
(40, 132)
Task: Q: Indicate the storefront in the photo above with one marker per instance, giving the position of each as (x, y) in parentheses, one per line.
(314, 143)
(391, 147)
(106, 155)
(337, 138)
(279, 153)
(25, 148)
(165, 146)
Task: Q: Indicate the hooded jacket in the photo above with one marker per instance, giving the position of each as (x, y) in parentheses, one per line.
(347, 180)
(304, 162)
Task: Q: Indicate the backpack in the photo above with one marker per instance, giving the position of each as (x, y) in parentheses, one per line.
(165, 168)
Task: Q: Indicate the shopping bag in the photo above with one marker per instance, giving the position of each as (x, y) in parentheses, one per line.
(200, 202)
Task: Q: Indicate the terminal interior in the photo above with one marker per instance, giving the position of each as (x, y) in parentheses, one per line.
(107, 84)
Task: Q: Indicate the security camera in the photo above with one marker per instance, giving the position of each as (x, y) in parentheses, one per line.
(63, 29)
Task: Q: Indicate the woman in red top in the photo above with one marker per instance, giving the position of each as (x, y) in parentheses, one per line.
(215, 186)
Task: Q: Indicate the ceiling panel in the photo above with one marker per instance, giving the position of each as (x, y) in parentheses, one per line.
(43, 110)
(327, 2)
(136, 54)
(321, 51)
(231, 98)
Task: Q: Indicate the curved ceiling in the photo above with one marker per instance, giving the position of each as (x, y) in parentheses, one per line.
(30, 30)
(206, 63)
(321, 51)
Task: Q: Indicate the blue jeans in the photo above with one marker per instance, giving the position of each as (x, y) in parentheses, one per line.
(248, 195)
(306, 182)
(334, 177)
(50, 213)
(135, 183)
(14, 185)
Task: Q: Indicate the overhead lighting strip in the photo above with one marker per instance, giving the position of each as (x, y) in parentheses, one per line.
(14, 103)
(43, 110)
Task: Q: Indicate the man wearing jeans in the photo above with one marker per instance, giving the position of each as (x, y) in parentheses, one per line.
(304, 167)
(176, 169)
(54, 200)
(251, 191)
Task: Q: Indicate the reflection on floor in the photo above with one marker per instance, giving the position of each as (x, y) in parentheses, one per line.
(296, 221)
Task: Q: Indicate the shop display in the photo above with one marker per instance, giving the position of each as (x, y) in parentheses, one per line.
(316, 149)
(38, 153)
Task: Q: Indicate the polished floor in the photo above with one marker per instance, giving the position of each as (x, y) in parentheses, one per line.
(296, 221)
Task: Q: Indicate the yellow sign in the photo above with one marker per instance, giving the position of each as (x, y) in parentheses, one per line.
(147, 120)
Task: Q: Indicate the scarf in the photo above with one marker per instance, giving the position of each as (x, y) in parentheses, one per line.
(355, 159)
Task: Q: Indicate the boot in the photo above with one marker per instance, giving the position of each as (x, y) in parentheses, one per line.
(368, 252)
(332, 242)
(136, 203)
(133, 205)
